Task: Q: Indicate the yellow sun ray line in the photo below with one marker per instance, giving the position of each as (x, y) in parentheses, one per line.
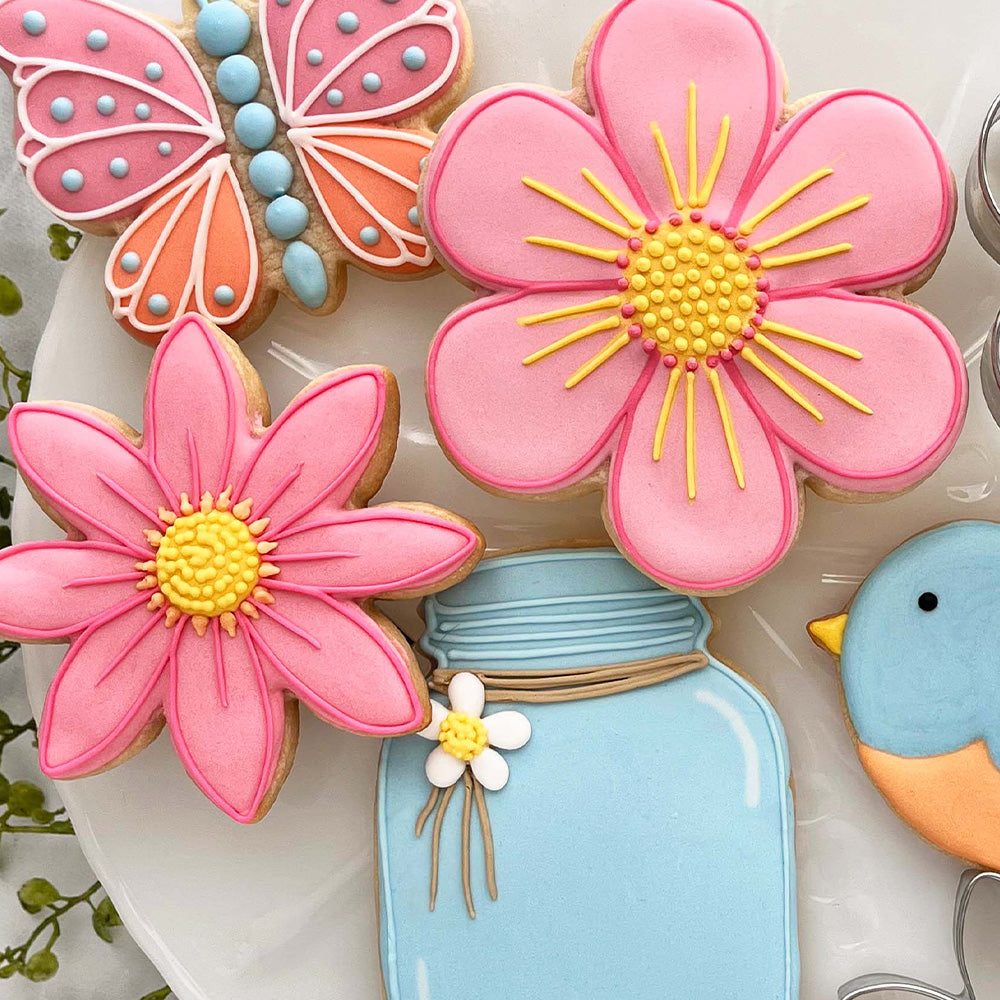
(727, 427)
(574, 206)
(611, 302)
(807, 227)
(793, 192)
(804, 369)
(669, 174)
(634, 220)
(612, 323)
(689, 440)
(716, 166)
(769, 326)
(668, 405)
(789, 390)
(805, 256)
(692, 136)
(605, 354)
(583, 251)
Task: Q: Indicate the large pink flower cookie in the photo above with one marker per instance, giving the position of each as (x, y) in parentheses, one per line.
(675, 260)
(219, 570)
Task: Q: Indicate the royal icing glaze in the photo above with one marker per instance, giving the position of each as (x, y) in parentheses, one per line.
(673, 278)
(628, 807)
(920, 686)
(219, 569)
(121, 138)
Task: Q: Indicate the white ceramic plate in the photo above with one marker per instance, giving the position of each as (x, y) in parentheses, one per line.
(285, 909)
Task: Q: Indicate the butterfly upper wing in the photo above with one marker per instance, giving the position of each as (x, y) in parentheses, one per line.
(111, 108)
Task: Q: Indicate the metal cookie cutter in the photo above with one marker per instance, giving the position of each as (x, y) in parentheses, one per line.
(885, 984)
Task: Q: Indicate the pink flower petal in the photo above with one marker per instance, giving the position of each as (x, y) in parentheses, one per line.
(53, 590)
(877, 149)
(342, 665)
(384, 550)
(94, 480)
(646, 56)
(109, 689)
(316, 453)
(189, 436)
(911, 376)
(479, 211)
(726, 537)
(516, 427)
(227, 726)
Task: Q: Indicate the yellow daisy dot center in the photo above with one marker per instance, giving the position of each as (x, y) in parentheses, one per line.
(463, 736)
(206, 564)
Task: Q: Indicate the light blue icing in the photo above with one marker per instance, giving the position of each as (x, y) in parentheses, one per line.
(118, 167)
(222, 28)
(370, 236)
(925, 683)
(62, 109)
(314, 57)
(371, 82)
(131, 262)
(335, 98)
(97, 40)
(414, 216)
(238, 79)
(224, 296)
(644, 843)
(143, 112)
(165, 149)
(34, 23)
(271, 174)
(414, 57)
(72, 181)
(154, 72)
(282, 3)
(255, 125)
(286, 218)
(159, 305)
(106, 105)
(306, 276)
(348, 22)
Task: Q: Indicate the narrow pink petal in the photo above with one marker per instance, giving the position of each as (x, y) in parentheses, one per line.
(53, 590)
(189, 435)
(646, 56)
(911, 376)
(108, 690)
(377, 551)
(343, 666)
(479, 212)
(226, 724)
(516, 427)
(877, 149)
(316, 453)
(727, 536)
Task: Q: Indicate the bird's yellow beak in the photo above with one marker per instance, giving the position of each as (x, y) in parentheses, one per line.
(829, 633)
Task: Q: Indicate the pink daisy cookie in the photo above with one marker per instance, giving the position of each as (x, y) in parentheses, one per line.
(218, 570)
(674, 258)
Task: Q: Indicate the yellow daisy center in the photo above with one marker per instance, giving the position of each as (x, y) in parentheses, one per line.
(463, 736)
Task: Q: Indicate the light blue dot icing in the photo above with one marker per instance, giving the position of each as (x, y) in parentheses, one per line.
(414, 216)
(222, 28)
(423, 163)
(154, 72)
(314, 57)
(34, 23)
(414, 57)
(372, 82)
(370, 236)
(348, 22)
(159, 305)
(131, 262)
(255, 125)
(335, 98)
(118, 167)
(271, 174)
(97, 40)
(62, 109)
(305, 274)
(286, 218)
(143, 112)
(72, 181)
(238, 79)
(224, 296)
(106, 105)
(165, 149)
(282, 3)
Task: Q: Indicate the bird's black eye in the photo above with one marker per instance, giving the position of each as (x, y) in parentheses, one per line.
(927, 601)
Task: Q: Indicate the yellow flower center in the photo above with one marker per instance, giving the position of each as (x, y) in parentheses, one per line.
(463, 736)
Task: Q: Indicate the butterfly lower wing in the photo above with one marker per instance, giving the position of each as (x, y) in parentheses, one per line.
(365, 179)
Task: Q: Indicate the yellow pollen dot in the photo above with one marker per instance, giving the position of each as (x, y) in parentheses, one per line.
(745, 302)
(643, 264)
(638, 282)
(641, 303)
(666, 313)
(696, 236)
(724, 305)
(703, 260)
(669, 262)
(694, 292)
(733, 324)
(718, 339)
(686, 308)
(713, 321)
(702, 307)
(674, 239)
(731, 261)
(676, 295)
(684, 254)
(679, 280)
(649, 321)
(463, 736)
(718, 271)
(655, 249)
(710, 286)
(700, 346)
(657, 277)
(681, 344)
(679, 324)
(694, 274)
(716, 244)
(726, 288)
(662, 334)
(657, 295)
(742, 281)
(697, 328)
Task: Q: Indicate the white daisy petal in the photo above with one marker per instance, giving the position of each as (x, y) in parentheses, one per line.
(508, 730)
(442, 769)
(491, 770)
(438, 714)
(467, 694)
